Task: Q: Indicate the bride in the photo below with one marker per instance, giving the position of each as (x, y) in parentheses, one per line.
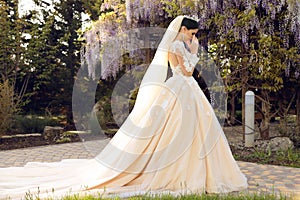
(171, 141)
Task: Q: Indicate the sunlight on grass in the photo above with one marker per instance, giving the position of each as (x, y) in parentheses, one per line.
(232, 196)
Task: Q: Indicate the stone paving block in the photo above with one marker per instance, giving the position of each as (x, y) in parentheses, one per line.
(261, 178)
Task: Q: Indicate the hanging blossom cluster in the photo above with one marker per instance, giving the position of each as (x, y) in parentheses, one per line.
(103, 49)
(147, 10)
(156, 12)
(257, 14)
(90, 53)
(100, 53)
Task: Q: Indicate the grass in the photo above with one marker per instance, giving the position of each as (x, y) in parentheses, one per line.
(232, 196)
(288, 158)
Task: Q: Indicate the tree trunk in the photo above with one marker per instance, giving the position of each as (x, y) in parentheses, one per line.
(265, 124)
(245, 77)
(298, 112)
(232, 108)
(147, 44)
(243, 110)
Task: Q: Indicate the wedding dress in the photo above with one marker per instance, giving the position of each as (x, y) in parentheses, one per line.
(170, 143)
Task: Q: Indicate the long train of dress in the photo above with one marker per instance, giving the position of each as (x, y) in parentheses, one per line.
(176, 145)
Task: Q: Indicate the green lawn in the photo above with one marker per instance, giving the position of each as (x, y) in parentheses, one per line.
(234, 196)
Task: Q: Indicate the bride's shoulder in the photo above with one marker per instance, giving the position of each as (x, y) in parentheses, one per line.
(176, 44)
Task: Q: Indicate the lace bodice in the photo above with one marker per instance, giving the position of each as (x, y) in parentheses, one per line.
(189, 60)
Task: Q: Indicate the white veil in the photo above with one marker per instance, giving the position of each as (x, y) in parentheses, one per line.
(157, 71)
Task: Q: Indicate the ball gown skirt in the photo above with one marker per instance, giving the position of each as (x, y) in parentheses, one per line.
(174, 144)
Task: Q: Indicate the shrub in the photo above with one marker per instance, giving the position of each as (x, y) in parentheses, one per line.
(34, 123)
(8, 107)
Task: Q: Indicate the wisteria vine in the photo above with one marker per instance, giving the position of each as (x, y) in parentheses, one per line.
(241, 17)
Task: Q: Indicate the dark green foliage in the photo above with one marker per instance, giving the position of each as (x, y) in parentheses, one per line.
(10, 40)
(53, 57)
(13, 86)
(93, 8)
(34, 123)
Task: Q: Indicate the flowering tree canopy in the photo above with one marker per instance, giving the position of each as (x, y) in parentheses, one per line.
(242, 22)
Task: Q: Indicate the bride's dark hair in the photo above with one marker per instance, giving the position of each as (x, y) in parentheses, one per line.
(189, 23)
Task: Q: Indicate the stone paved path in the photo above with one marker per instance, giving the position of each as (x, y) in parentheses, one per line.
(261, 178)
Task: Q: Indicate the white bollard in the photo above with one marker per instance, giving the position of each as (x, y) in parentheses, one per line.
(249, 119)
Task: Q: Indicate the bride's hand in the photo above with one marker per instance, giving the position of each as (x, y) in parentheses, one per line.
(194, 45)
